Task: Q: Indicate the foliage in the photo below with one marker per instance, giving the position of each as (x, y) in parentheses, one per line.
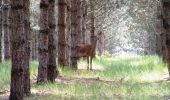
(129, 24)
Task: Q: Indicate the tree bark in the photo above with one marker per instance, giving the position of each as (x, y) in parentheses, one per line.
(0, 32)
(100, 43)
(52, 71)
(68, 32)
(166, 26)
(84, 19)
(43, 42)
(18, 42)
(74, 34)
(5, 15)
(92, 18)
(27, 30)
(79, 21)
(34, 44)
(61, 32)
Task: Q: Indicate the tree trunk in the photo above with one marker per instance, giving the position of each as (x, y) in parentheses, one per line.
(92, 18)
(68, 32)
(34, 45)
(61, 32)
(0, 32)
(52, 71)
(43, 42)
(27, 30)
(5, 15)
(84, 19)
(166, 25)
(79, 21)
(73, 34)
(18, 42)
(158, 45)
(100, 43)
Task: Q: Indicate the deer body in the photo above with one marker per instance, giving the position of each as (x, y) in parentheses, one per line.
(87, 52)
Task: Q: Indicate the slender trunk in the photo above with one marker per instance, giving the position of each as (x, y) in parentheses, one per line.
(159, 28)
(34, 45)
(100, 43)
(79, 21)
(92, 18)
(61, 32)
(0, 32)
(27, 30)
(68, 27)
(73, 34)
(18, 42)
(166, 26)
(158, 45)
(84, 19)
(43, 42)
(52, 71)
(5, 15)
(36, 34)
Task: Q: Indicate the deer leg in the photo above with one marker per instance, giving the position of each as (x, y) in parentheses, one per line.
(90, 62)
(87, 63)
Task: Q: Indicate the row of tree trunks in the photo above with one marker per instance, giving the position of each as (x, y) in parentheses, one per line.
(74, 15)
(52, 72)
(76, 26)
(62, 5)
(166, 33)
(19, 52)
(0, 32)
(47, 69)
(5, 15)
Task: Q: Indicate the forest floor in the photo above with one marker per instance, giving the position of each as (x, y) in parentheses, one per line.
(119, 78)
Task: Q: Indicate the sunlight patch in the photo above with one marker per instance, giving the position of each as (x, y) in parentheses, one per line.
(83, 65)
(154, 76)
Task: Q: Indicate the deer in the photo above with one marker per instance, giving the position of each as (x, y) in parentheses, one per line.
(87, 51)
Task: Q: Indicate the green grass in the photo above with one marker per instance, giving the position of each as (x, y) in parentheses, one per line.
(120, 78)
(4, 75)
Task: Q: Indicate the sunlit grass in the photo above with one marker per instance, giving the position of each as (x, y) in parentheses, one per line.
(119, 78)
(4, 75)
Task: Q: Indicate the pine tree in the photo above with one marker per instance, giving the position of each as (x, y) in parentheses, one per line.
(43, 42)
(61, 32)
(52, 71)
(18, 42)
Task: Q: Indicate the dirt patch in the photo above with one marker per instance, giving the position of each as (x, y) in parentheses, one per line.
(73, 80)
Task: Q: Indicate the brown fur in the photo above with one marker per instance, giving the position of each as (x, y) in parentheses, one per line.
(84, 51)
(87, 51)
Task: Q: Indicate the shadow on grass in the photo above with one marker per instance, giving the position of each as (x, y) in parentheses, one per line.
(71, 97)
(48, 96)
(76, 80)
